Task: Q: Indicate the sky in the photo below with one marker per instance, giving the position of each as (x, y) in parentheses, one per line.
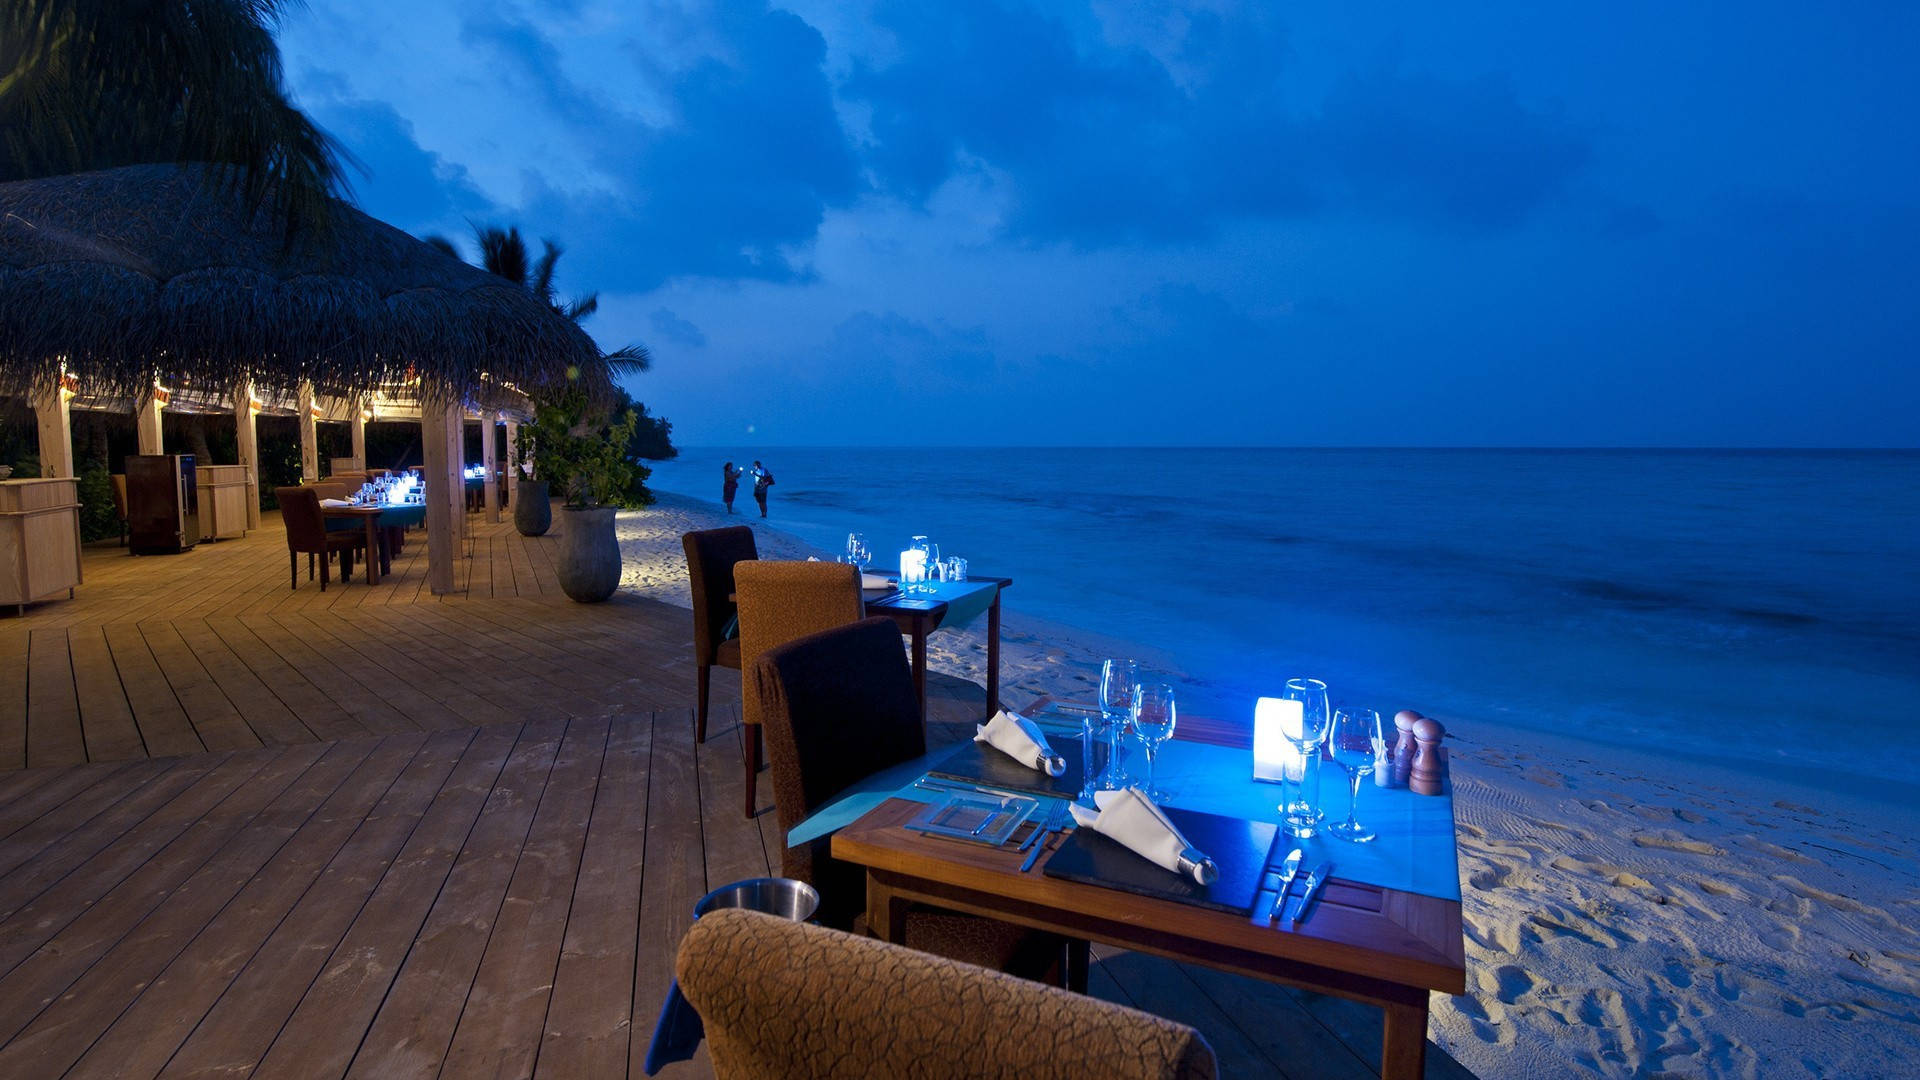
(842, 222)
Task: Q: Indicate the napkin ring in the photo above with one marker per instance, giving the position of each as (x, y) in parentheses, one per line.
(1198, 867)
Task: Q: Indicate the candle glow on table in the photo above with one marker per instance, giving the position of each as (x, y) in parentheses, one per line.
(913, 567)
(1276, 728)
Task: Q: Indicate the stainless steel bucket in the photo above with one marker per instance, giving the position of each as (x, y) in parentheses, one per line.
(784, 897)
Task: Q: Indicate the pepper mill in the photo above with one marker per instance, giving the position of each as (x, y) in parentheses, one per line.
(1428, 776)
(1403, 747)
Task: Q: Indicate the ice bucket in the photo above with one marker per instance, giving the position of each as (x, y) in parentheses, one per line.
(784, 897)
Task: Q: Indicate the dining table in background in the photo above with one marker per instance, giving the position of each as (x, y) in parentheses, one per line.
(381, 521)
(1386, 947)
(919, 616)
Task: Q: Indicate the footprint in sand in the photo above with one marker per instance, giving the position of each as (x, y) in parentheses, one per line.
(1782, 804)
(1546, 777)
(1672, 841)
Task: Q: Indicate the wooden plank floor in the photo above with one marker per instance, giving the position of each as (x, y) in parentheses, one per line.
(272, 832)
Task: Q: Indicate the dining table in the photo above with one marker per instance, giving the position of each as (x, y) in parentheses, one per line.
(383, 522)
(943, 605)
(1386, 929)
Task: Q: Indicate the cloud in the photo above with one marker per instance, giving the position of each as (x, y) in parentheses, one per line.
(405, 185)
(733, 183)
(676, 330)
(1457, 152)
(1167, 132)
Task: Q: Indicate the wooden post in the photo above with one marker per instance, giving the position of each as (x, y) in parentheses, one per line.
(513, 467)
(146, 423)
(489, 457)
(309, 436)
(248, 436)
(56, 428)
(359, 430)
(440, 423)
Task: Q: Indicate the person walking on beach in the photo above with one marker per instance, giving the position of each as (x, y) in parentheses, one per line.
(762, 480)
(729, 484)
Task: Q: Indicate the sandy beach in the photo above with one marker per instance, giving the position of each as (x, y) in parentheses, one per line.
(1626, 914)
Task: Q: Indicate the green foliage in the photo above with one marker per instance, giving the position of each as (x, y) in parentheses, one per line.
(99, 519)
(652, 435)
(87, 85)
(581, 453)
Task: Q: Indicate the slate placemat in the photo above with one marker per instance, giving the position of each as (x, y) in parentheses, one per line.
(1240, 848)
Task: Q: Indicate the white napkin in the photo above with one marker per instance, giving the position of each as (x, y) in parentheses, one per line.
(875, 581)
(1022, 740)
(335, 502)
(1131, 819)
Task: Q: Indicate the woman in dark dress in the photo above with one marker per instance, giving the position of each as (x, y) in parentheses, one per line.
(729, 484)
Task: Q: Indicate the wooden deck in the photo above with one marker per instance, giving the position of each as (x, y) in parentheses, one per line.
(377, 833)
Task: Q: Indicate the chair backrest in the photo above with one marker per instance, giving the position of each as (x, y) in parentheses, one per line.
(119, 494)
(332, 489)
(839, 705)
(300, 509)
(711, 555)
(789, 1000)
(781, 600)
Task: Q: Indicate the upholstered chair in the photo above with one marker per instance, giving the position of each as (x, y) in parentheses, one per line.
(780, 601)
(839, 706)
(784, 1000)
(711, 555)
(307, 533)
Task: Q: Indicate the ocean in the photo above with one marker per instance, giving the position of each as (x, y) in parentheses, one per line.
(1748, 608)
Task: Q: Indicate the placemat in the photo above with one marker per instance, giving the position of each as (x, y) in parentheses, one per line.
(979, 763)
(1240, 848)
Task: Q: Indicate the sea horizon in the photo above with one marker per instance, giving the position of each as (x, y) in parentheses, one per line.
(1519, 592)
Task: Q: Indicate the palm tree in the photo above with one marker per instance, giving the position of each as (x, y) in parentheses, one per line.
(503, 252)
(98, 84)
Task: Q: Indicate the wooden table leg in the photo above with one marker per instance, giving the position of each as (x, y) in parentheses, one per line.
(920, 666)
(993, 655)
(373, 551)
(1403, 1042)
(386, 550)
(886, 912)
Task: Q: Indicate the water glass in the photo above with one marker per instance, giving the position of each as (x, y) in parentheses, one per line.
(1301, 815)
(1351, 741)
(956, 568)
(1117, 679)
(1153, 716)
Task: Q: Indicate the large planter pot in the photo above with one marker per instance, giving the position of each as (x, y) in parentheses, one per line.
(589, 555)
(532, 511)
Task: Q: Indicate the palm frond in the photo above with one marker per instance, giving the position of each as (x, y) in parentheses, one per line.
(628, 360)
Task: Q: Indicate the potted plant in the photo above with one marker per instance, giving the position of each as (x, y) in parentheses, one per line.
(532, 502)
(583, 455)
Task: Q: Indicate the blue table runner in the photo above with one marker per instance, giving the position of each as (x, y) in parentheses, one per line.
(1416, 851)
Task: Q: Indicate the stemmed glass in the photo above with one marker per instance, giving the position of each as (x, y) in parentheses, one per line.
(1301, 814)
(857, 551)
(1117, 678)
(1355, 733)
(1153, 716)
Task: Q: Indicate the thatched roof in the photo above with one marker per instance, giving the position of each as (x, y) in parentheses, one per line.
(158, 271)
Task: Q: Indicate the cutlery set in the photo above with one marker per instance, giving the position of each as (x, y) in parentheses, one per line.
(1316, 880)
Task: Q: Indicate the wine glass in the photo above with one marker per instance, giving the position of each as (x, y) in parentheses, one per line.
(857, 552)
(1153, 716)
(1117, 677)
(1301, 813)
(1352, 739)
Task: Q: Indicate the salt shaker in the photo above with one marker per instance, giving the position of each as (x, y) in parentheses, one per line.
(1428, 775)
(1403, 747)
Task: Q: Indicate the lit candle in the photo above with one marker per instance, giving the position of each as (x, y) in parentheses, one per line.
(1277, 723)
(913, 567)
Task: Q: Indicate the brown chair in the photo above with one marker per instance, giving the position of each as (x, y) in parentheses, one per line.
(780, 601)
(784, 1000)
(711, 554)
(839, 706)
(120, 502)
(307, 533)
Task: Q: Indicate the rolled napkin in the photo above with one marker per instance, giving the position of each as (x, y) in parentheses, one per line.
(875, 581)
(1131, 819)
(335, 502)
(1022, 740)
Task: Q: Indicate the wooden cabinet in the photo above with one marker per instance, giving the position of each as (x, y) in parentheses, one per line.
(39, 539)
(223, 501)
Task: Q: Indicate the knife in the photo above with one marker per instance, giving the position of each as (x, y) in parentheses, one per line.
(1039, 830)
(1053, 822)
(1315, 882)
(1288, 870)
